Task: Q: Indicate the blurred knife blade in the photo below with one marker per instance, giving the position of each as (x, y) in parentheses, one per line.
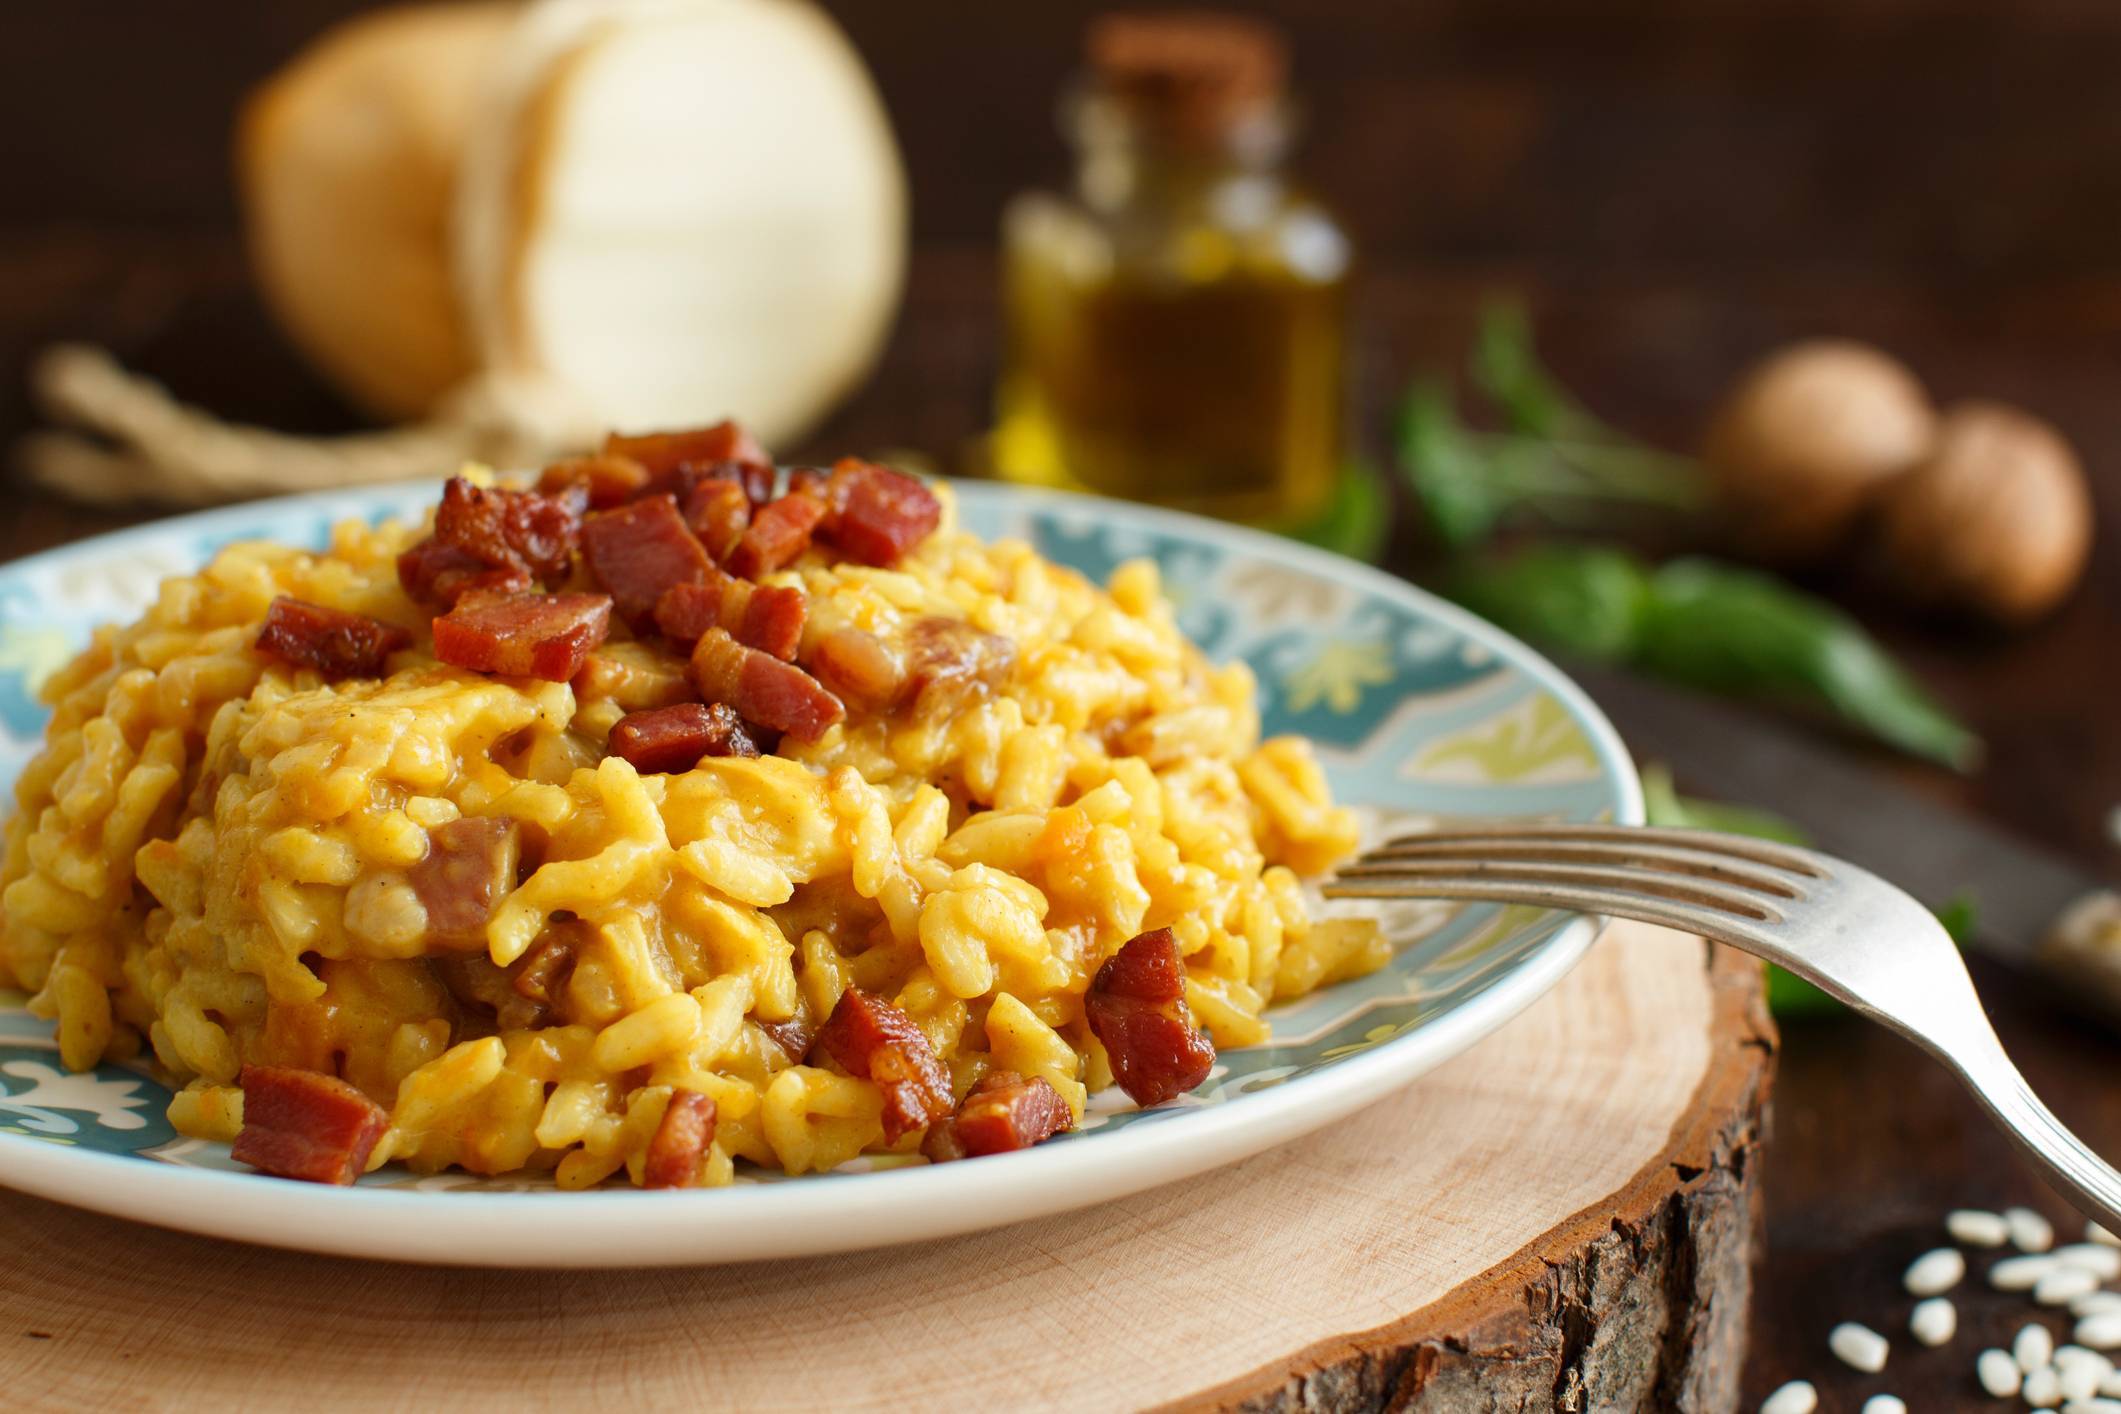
(2022, 893)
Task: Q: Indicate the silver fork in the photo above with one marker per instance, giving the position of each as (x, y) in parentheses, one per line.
(1835, 925)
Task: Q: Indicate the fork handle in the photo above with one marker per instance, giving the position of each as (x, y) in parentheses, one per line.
(2087, 1180)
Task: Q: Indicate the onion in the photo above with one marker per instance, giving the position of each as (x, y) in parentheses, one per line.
(661, 211)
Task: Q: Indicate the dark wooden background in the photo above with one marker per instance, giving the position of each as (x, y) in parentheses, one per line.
(1674, 186)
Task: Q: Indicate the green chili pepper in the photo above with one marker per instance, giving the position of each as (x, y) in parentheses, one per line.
(1741, 632)
(1588, 600)
(1716, 627)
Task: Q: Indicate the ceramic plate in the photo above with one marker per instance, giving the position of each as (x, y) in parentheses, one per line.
(1421, 714)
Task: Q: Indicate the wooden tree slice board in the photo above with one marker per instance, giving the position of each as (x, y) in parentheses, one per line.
(1560, 1218)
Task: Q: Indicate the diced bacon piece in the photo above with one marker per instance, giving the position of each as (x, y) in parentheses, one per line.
(949, 658)
(513, 530)
(336, 643)
(719, 511)
(607, 479)
(780, 531)
(772, 619)
(933, 664)
(1149, 968)
(878, 513)
(664, 452)
(1137, 1007)
(523, 635)
(768, 617)
(809, 481)
(858, 666)
(680, 1142)
(675, 738)
(756, 479)
(1002, 1113)
(793, 1036)
(873, 1039)
(305, 1124)
(762, 688)
(638, 551)
(469, 868)
(542, 973)
(438, 575)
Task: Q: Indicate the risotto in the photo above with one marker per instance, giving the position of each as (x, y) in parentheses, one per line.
(669, 815)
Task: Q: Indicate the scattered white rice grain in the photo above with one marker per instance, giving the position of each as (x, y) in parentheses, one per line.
(2064, 1285)
(1934, 1273)
(1977, 1227)
(2100, 1331)
(2042, 1388)
(2034, 1347)
(1884, 1404)
(1999, 1373)
(2093, 1303)
(1933, 1322)
(2029, 1231)
(1858, 1347)
(1796, 1397)
(2095, 1233)
(2110, 1386)
(2091, 1406)
(2019, 1273)
(2097, 1258)
(2080, 1371)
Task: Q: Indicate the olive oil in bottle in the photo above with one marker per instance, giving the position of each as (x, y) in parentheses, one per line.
(1176, 322)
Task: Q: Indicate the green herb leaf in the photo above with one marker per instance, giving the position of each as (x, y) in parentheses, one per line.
(1506, 369)
(1444, 468)
(1743, 632)
(1960, 915)
(1588, 600)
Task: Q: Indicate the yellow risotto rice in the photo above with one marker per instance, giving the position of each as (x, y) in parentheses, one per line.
(210, 857)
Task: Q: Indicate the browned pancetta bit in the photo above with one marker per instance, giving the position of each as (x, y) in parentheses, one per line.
(305, 1124)
(871, 1038)
(680, 1142)
(336, 643)
(1136, 1006)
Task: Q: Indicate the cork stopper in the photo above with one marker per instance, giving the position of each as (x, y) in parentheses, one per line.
(1188, 76)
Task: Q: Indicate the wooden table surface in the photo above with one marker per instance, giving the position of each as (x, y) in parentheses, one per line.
(1674, 187)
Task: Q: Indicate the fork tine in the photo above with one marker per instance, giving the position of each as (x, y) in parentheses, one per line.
(1610, 903)
(1670, 858)
(1796, 861)
(1682, 888)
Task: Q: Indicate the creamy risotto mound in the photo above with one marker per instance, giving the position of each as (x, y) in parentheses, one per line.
(669, 814)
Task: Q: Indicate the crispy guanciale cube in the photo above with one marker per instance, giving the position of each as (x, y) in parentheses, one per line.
(305, 1124)
(676, 738)
(545, 636)
(336, 643)
(680, 1142)
(1136, 1006)
(873, 1039)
